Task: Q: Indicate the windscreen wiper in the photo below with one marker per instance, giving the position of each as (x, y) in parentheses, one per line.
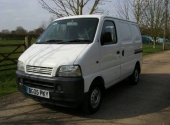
(51, 41)
(79, 41)
(76, 41)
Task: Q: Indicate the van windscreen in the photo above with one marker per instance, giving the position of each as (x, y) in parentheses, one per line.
(74, 31)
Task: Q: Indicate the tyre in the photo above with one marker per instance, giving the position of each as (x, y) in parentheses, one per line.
(134, 78)
(93, 100)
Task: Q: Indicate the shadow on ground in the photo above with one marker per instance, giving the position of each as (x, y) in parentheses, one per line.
(121, 101)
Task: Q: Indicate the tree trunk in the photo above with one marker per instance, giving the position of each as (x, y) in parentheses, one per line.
(166, 21)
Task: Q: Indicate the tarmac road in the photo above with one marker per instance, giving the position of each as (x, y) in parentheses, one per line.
(147, 103)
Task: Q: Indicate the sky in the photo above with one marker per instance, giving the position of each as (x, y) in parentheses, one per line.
(29, 13)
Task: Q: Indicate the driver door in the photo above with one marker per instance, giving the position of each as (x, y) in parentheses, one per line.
(109, 53)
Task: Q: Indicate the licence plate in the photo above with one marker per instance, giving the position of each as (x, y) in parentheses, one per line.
(38, 92)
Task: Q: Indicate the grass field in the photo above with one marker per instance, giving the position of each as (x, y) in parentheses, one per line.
(148, 49)
(7, 78)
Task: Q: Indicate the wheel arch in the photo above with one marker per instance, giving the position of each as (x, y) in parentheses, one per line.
(87, 106)
(101, 83)
(138, 65)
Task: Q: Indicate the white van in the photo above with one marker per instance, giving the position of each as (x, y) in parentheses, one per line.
(77, 58)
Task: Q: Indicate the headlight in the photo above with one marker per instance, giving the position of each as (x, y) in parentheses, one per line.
(20, 66)
(69, 71)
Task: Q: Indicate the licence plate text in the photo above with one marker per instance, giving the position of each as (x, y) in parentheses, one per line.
(37, 92)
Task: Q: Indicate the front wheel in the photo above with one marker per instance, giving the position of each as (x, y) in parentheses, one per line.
(134, 78)
(93, 99)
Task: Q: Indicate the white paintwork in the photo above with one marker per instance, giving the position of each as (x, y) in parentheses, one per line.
(112, 67)
(51, 55)
(110, 61)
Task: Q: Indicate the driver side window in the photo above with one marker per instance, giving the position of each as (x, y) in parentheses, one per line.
(108, 35)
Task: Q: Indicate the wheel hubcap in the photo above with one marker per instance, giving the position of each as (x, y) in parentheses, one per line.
(95, 97)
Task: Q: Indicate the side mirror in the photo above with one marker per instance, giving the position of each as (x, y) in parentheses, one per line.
(106, 38)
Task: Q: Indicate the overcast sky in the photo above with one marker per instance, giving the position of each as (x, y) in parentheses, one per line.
(29, 14)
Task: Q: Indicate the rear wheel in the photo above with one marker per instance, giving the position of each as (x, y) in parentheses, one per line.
(93, 99)
(134, 78)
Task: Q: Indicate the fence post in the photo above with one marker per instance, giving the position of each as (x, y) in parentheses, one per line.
(27, 42)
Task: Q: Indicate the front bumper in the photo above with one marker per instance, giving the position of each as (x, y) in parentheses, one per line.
(72, 94)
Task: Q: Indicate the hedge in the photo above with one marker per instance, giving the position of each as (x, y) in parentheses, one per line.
(17, 36)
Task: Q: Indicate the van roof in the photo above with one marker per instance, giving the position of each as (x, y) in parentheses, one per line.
(92, 16)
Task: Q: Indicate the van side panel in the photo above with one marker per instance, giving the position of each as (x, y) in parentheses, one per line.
(136, 37)
(127, 48)
(130, 40)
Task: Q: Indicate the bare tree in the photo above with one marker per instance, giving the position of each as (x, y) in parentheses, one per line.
(166, 2)
(138, 9)
(123, 10)
(154, 18)
(131, 10)
(72, 7)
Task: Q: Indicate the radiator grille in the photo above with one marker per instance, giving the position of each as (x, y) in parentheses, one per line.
(39, 70)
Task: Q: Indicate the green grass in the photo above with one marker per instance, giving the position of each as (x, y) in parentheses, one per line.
(148, 49)
(7, 78)
(7, 82)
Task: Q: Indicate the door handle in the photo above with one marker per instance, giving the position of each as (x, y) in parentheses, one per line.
(118, 52)
(123, 53)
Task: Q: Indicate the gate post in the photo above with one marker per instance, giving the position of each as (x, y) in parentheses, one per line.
(27, 42)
